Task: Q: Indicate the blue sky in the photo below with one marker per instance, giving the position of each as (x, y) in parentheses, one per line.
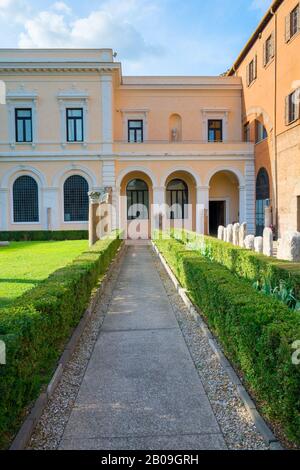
(151, 37)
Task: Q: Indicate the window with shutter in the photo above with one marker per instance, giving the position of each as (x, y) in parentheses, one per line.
(292, 23)
(288, 28)
(265, 54)
(252, 71)
(292, 107)
(269, 49)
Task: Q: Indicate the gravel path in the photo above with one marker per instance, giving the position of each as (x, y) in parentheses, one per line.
(234, 421)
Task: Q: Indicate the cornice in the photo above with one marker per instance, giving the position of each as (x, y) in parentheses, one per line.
(45, 66)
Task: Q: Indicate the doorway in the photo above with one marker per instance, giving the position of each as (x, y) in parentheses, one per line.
(137, 209)
(217, 211)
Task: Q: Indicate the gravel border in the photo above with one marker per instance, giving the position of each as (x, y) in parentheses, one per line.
(50, 427)
(234, 419)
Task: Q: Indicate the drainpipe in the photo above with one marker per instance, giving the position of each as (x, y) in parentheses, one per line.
(275, 121)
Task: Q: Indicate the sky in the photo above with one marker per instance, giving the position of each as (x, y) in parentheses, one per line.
(151, 37)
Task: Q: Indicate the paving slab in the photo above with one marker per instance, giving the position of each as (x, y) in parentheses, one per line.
(141, 389)
(182, 442)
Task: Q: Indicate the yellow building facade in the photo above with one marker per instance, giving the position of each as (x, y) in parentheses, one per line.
(72, 123)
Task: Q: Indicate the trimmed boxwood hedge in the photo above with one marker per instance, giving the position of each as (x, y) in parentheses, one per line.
(44, 235)
(256, 331)
(38, 324)
(245, 263)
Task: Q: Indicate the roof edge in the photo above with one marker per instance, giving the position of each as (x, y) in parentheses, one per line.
(266, 19)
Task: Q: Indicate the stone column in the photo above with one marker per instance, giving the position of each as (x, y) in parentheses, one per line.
(4, 209)
(107, 113)
(250, 196)
(93, 217)
(242, 206)
(202, 210)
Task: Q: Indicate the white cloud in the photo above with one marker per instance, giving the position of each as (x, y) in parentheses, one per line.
(111, 26)
(5, 3)
(14, 11)
(62, 7)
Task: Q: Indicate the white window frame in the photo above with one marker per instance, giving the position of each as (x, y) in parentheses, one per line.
(132, 115)
(18, 100)
(67, 176)
(209, 114)
(16, 176)
(73, 99)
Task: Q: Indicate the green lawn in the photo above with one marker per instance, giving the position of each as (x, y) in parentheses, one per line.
(23, 265)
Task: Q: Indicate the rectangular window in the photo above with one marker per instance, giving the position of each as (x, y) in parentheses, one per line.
(247, 132)
(269, 50)
(294, 21)
(135, 131)
(261, 132)
(75, 125)
(292, 106)
(252, 71)
(23, 125)
(215, 130)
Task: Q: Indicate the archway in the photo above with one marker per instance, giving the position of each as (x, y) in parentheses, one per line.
(262, 199)
(180, 187)
(135, 205)
(223, 200)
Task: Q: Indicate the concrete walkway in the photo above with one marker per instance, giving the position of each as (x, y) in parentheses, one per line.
(141, 389)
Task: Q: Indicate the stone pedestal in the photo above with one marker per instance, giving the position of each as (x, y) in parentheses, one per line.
(236, 234)
(249, 242)
(258, 244)
(242, 234)
(289, 247)
(221, 232)
(268, 242)
(230, 233)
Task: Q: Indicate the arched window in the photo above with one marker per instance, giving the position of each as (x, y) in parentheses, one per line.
(137, 200)
(76, 200)
(25, 200)
(178, 199)
(262, 199)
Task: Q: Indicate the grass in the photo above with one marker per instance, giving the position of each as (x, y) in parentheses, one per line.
(24, 265)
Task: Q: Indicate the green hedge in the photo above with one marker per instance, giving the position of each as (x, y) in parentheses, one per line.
(256, 331)
(37, 326)
(245, 263)
(43, 235)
